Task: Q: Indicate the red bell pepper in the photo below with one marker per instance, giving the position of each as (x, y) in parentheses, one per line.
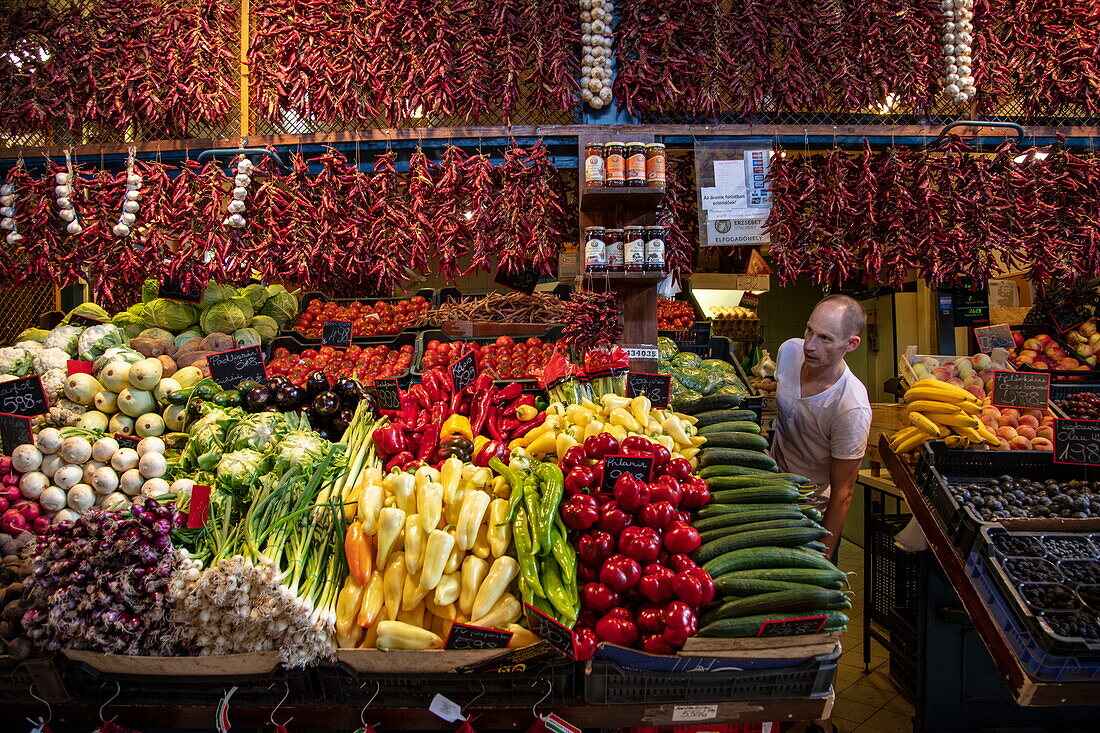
(684, 516)
(586, 619)
(588, 573)
(400, 460)
(680, 563)
(613, 519)
(658, 514)
(600, 445)
(681, 538)
(638, 443)
(429, 441)
(599, 597)
(420, 393)
(578, 480)
(573, 457)
(621, 572)
(656, 644)
(694, 493)
(631, 493)
(640, 543)
(409, 408)
(390, 440)
(597, 469)
(526, 427)
(656, 584)
(665, 488)
(492, 449)
(694, 587)
(680, 623)
(621, 612)
(580, 512)
(651, 620)
(616, 630)
(594, 547)
(661, 456)
(678, 468)
(584, 644)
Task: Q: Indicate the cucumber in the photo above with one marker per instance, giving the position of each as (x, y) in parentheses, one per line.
(807, 576)
(734, 519)
(721, 510)
(732, 585)
(813, 513)
(774, 494)
(778, 601)
(718, 532)
(815, 546)
(736, 457)
(744, 441)
(750, 625)
(722, 483)
(713, 417)
(723, 470)
(737, 426)
(789, 537)
(713, 402)
(750, 558)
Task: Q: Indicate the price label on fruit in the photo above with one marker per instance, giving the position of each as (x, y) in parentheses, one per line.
(15, 430)
(464, 371)
(466, 637)
(640, 467)
(230, 368)
(657, 387)
(1024, 390)
(23, 397)
(336, 333)
(1077, 441)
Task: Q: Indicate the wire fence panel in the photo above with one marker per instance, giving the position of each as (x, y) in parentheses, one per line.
(21, 307)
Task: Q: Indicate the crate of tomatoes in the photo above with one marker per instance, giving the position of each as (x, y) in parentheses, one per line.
(370, 319)
(366, 362)
(503, 357)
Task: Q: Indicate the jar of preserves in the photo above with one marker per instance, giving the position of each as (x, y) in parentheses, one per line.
(594, 176)
(595, 250)
(634, 249)
(614, 164)
(615, 239)
(655, 165)
(655, 249)
(635, 164)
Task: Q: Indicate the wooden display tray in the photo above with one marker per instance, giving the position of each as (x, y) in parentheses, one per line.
(258, 663)
(373, 661)
(476, 329)
(776, 647)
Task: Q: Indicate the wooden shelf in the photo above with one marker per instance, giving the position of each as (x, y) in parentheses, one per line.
(618, 278)
(606, 199)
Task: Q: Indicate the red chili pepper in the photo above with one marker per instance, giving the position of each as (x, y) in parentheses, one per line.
(483, 411)
(526, 427)
(510, 392)
(400, 460)
(429, 441)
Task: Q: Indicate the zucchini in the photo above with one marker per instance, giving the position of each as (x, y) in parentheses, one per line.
(736, 426)
(745, 441)
(775, 494)
(789, 537)
(713, 417)
(734, 519)
(722, 470)
(779, 601)
(732, 585)
(750, 625)
(712, 402)
(717, 483)
(718, 532)
(807, 576)
(750, 558)
(736, 457)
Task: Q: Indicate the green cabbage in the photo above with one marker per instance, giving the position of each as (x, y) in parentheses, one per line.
(256, 294)
(259, 431)
(281, 306)
(247, 337)
(128, 322)
(88, 310)
(186, 336)
(693, 379)
(223, 317)
(245, 305)
(687, 359)
(170, 315)
(137, 309)
(731, 389)
(265, 326)
(157, 333)
(215, 293)
(242, 469)
(717, 365)
(33, 334)
(150, 290)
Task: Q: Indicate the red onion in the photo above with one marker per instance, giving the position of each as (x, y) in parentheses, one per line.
(40, 524)
(5, 464)
(12, 522)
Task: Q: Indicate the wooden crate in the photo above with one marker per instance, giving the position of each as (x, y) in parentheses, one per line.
(886, 419)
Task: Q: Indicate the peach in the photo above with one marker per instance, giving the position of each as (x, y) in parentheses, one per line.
(930, 362)
(1003, 445)
(941, 374)
(982, 362)
(1026, 431)
(1045, 431)
(1009, 420)
(1019, 443)
(1007, 432)
(1055, 351)
(972, 379)
(1042, 444)
(1029, 420)
(1044, 339)
(975, 390)
(990, 421)
(955, 381)
(1041, 365)
(1032, 344)
(1047, 422)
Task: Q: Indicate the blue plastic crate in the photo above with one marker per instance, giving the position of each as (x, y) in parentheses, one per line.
(1037, 662)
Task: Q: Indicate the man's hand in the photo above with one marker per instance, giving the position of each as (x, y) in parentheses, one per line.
(842, 482)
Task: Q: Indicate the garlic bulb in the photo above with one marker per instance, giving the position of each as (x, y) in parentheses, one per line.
(74, 228)
(13, 237)
(127, 219)
(67, 214)
(7, 223)
(958, 79)
(237, 206)
(131, 207)
(133, 179)
(596, 18)
(133, 195)
(62, 192)
(121, 230)
(63, 195)
(236, 220)
(131, 200)
(61, 179)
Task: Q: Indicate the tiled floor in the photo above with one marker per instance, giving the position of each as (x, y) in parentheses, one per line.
(865, 703)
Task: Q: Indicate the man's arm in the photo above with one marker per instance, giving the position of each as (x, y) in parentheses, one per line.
(842, 483)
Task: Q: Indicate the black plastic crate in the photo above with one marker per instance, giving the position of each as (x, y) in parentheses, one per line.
(551, 335)
(903, 653)
(893, 571)
(697, 335)
(41, 674)
(940, 467)
(340, 683)
(406, 338)
(607, 683)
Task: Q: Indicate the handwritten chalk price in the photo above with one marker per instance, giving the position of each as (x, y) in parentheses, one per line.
(657, 387)
(464, 372)
(640, 467)
(230, 368)
(23, 397)
(1077, 441)
(1023, 390)
(336, 333)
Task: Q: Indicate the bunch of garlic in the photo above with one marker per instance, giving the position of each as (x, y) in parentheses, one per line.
(958, 37)
(241, 182)
(63, 192)
(596, 69)
(130, 204)
(7, 214)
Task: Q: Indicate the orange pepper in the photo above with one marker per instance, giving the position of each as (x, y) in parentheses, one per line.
(358, 553)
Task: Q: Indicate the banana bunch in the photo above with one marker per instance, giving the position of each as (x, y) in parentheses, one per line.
(941, 410)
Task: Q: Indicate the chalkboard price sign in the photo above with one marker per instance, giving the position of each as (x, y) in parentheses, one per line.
(657, 387)
(127, 441)
(230, 368)
(15, 430)
(1065, 317)
(464, 371)
(523, 280)
(559, 636)
(1023, 390)
(23, 397)
(640, 467)
(792, 626)
(336, 333)
(467, 637)
(83, 321)
(389, 394)
(1077, 441)
(173, 290)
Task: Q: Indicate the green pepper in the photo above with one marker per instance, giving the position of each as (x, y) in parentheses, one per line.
(531, 499)
(228, 398)
(514, 482)
(563, 552)
(528, 571)
(556, 593)
(553, 488)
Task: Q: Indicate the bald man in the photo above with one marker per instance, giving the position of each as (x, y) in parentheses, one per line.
(823, 412)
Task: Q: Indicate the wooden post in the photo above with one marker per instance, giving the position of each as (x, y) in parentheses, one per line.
(245, 126)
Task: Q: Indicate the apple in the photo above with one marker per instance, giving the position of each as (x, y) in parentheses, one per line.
(941, 373)
(1019, 443)
(929, 362)
(1033, 344)
(1018, 339)
(1042, 444)
(920, 370)
(982, 362)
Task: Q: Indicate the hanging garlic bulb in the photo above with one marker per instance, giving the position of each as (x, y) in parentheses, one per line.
(63, 192)
(237, 206)
(958, 81)
(131, 199)
(7, 222)
(597, 18)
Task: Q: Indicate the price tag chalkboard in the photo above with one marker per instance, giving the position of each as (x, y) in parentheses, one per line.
(523, 280)
(993, 337)
(1023, 390)
(230, 368)
(336, 333)
(466, 637)
(15, 430)
(464, 371)
(173, 290)
(792, 626)
(1077, 441)
(640, 467)
(198, 511)
(559, 636)
(1065, 317)
(127, 441)
(23, 397)
(657, 387)
(83, 321)
(523, 659)
(389, 394)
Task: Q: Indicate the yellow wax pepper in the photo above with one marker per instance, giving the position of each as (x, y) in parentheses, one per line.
(449, 477)
(470, 518)
(448, 590)
(456, 426)
(437, 552)
(373, 601)
(393, 583)
(429, 504)
(347, 610)
(502, 572)
(474, 570)
(399, 635)
(505, 611)
(500, 529)
(357, 552)
(391, 523)
(414, 543)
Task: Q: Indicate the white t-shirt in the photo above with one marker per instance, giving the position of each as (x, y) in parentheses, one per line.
(810, 431)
